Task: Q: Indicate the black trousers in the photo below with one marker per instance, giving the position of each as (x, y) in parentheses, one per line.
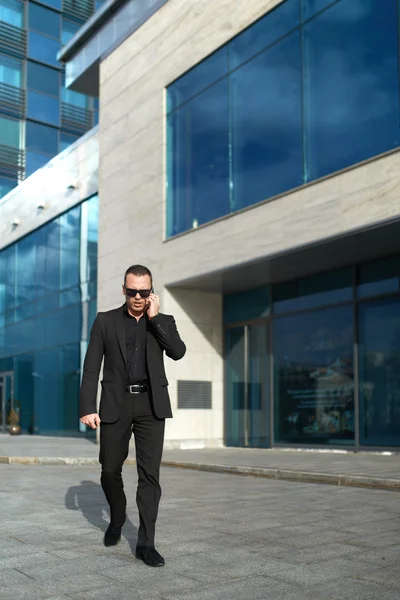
(137, 416)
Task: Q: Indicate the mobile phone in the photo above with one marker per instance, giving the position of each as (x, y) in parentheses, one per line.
(147, 301)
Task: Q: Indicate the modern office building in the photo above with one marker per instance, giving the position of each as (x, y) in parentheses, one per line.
(249, 154)
(39, 116)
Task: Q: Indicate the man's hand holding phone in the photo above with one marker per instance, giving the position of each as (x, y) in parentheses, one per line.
(153, 306)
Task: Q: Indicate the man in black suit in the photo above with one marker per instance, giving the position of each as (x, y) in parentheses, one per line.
(132, 339)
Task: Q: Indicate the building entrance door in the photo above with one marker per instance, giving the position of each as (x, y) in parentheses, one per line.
(6, 397)
(247, 421)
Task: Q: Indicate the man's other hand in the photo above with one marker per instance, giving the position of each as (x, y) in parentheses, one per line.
(92, 420)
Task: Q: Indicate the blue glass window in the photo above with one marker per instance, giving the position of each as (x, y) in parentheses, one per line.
(379, 372)
(268, 30)
(6, 185)
(69, 29)
(351, 84)
(199, 160)
(296, 106)
(267, 157)
(43, 49)
(74, 98)
(43, 108)
(196, 80)
(10, 70)
(378, 277)
(44, 20)
(66, 139)
(43, 79)
(43, 343)
(35, 161)
(57, 4)
(314, 377)
(312, 7)
(41, 138)
(10, 132)
(12, 12)
(248, 305)
(313, 291)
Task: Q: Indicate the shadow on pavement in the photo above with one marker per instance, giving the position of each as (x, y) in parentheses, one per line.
(88, 497)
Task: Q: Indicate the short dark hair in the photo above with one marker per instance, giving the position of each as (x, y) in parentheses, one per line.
(139, 271)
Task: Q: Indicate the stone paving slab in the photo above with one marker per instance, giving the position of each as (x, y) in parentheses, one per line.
(223, 538)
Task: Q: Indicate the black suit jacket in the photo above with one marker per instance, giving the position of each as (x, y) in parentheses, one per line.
(107, 339)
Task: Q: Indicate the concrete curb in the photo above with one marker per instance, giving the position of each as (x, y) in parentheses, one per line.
(361, 481)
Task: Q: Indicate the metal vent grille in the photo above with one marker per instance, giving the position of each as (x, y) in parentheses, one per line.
(78, 9)
(12, 39)
(12, 161)
(194, 394)
(75, 119)
(12, 100)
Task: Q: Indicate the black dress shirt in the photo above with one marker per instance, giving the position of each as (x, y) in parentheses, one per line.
(135, 335)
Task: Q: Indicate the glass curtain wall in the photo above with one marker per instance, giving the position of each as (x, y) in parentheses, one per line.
(280, 105)
(316, 361)
(33, 97)
(48, 286)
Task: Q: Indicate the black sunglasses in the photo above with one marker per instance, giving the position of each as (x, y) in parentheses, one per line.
(142, 293)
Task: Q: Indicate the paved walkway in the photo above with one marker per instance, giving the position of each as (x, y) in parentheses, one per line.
(362, 469)
(223, 538)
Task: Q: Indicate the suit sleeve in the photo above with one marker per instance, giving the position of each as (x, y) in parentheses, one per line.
(91, 370)
(168, 337)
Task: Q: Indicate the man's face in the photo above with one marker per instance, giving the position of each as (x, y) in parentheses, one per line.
(136, 303)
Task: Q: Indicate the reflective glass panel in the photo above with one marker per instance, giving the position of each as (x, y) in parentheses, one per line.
(350, 55)
(43, 49)
(248, 305)
(235, 387)
(197, 79)
(69, 28)
(10, 132)
(268, 30)
(10, 70)
(41, 138)
(66, 139)
(312, 7)
(314, 377)
(35, 161)
(57, 4)
(70, 244)
(379, 364)
(42, 331)
(44, 20)
(198, 160)
(74, 98)
(12, 12)
(43, 108)
(43, 79)
(313, 291)
(267, 157)
(378, 277)
(247, 409)
(6, 185)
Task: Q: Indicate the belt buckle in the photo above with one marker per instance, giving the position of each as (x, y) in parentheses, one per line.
(133, 391)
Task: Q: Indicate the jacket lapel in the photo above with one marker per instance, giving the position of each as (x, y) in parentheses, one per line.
(120, 328)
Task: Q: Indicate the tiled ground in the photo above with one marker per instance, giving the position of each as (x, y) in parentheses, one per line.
(224, 537)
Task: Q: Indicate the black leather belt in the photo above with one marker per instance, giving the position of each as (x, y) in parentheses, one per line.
(136, 388)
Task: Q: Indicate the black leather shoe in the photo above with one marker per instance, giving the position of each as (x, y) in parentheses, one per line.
(150, 556)
(112, 536)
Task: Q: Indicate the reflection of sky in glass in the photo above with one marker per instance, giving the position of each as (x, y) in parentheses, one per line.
(278, 123)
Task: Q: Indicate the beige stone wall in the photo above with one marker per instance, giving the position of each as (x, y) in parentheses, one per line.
(77, 166)
(132, 192)
(132, 181)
